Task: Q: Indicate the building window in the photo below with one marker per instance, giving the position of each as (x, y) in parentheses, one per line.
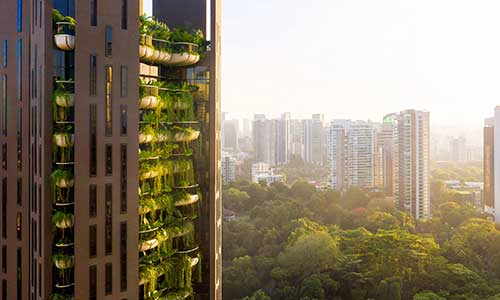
(19, 69)
(108, 48)
(34, 236)
(4, 156)
(19, 15)
(19, 274)
(19, 139)
(92, 283)
(93, 12)
(19, 191)
(4, 289)
(4, 207)
(93, 75)
(40, 278)
(123, 178)
(93, 140)
(33, 194)
(4, 105)
(108, 222)
(123, 256)
(123, 120)
(109, 83)
(92, 241)
(4, 53)
(108, 285)
(4, 259)
(124, 14)
(92, 201)
(109, 160)
(123, 81)
(19, 226)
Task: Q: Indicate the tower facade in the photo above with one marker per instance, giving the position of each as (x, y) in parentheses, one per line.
(314, 142)
(382, 154)
(412, 163)
(492, 164)
(350, 153)
(110, 182)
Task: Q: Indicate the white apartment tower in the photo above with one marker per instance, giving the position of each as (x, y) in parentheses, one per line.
(228, 168)
(350, 154)
(411, 162)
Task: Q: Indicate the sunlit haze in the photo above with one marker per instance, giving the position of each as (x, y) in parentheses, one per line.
(363, 58)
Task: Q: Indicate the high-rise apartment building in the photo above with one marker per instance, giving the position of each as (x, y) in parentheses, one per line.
(101, 177)
(314, 142)
(350, 154)
(264, 139)
(382, 154)
(457, 149)
(296, 138)
(411, 162)
(228, 168)
(271, 139)
(246, 128)
(491, 162)
(283, 139)
(231, 134)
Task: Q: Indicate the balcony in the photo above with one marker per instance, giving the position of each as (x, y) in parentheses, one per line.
(64, 39)
(185, 54)
(161, 52)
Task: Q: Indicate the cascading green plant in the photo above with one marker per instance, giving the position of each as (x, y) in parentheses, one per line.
(61, 182)
(186, 35)
(62, 220)
(60, 113)
(150, 26)
(58, 17)
(63, 261)
(57, 296)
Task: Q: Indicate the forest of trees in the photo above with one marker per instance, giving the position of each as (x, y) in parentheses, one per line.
(295, 242)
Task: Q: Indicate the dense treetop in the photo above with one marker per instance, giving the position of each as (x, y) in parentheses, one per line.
(296, 242)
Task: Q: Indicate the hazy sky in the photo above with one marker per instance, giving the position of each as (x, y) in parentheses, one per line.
(363, 58)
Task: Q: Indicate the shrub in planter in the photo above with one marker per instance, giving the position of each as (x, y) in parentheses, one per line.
(62, 178)
(57, 296)
(62, 261)
(63, 140)
(63, 220)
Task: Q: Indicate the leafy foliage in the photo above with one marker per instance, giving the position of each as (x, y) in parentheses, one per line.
(296, 242)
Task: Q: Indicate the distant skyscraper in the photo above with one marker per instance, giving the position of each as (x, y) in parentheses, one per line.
(271, 139)
(313, 139)
(382, 154)
(228, 168)
(458, 149)
(296, 138)
(264, 137)
(411, 162)
(246, 131)
(223, 133)
(230, 137)
(350, 154)
(492, 165)
(283, 139)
